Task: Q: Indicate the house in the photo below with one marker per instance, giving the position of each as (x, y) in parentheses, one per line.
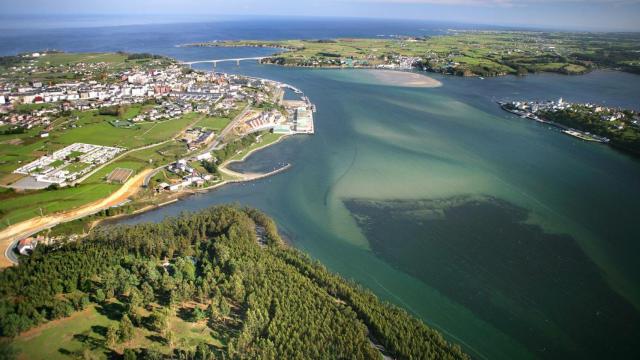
(205, 156)
(26, 246)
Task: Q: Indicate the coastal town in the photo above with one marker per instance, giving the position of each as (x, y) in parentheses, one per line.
(89, 124)
(167, 92)
(589, 122)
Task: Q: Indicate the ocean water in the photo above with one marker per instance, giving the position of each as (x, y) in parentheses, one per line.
(514, 240)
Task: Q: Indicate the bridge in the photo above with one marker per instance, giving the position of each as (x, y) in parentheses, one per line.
(216, 61)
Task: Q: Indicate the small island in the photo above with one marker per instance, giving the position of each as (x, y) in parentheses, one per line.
(463, 53)
(617, 127)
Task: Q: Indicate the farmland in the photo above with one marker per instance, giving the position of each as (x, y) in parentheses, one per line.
(482, 53)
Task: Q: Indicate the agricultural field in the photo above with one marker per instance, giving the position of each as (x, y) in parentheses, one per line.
(484, 53)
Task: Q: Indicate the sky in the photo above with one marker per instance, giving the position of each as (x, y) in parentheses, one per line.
(591, 15)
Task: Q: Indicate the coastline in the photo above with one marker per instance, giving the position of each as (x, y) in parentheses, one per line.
(12, 234)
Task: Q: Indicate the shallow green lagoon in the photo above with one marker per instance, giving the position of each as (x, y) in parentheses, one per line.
(513, 239)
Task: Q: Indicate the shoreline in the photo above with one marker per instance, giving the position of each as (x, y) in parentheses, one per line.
(32, 226)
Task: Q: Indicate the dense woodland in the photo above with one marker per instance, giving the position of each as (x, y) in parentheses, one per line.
(266, 299)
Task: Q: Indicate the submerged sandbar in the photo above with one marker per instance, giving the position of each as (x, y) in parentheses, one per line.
(404, 78)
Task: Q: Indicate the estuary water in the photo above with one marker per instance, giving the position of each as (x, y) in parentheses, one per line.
(513, 239)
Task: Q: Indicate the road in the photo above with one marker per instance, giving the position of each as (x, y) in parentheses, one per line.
(12, 234)
(145, 147)
(228, 128)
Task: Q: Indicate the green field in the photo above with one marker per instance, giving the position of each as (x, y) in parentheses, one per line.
(84, 333)
(214, 123)
(23, 206)
(267, 139)
(93, 129)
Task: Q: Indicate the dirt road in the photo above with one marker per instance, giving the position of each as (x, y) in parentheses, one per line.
(29, 227)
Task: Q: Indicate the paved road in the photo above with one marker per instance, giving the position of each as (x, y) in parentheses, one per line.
(228, 128)
(10, 235)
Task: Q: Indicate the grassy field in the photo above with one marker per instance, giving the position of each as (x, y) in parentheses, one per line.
(57, 339)
(266, 139)
(84, 333)
(93, 129)
(214, 123)
(23, 206)
(17, 207)
(485, 53)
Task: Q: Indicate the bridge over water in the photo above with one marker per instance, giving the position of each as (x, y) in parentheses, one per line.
(216, 61)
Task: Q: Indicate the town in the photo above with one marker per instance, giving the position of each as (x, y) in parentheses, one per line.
(143, 97)
(115, 133)
(590, 122)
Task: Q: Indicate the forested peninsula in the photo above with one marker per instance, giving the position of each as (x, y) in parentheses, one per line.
(217, 284)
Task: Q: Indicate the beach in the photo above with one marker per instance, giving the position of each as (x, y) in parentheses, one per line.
(404, 78)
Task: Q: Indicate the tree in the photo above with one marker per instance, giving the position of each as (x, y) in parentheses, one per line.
(129, 354)
(170, 338)
(159, 321)
(135, 298)
(197, 314)
(7, 351)
(126, 329)
(225, 310)
(112, 335)
(147, 293)
(99, 296)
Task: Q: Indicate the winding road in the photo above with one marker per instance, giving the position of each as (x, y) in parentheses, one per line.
(12, 234)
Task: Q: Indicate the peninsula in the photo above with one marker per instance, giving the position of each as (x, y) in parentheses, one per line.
(617, 127)
(217, 284)
(464, 53)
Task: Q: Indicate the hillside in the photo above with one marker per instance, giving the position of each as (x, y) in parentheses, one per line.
(215, 284)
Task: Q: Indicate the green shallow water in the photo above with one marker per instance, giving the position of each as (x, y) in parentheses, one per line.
(538, 259)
